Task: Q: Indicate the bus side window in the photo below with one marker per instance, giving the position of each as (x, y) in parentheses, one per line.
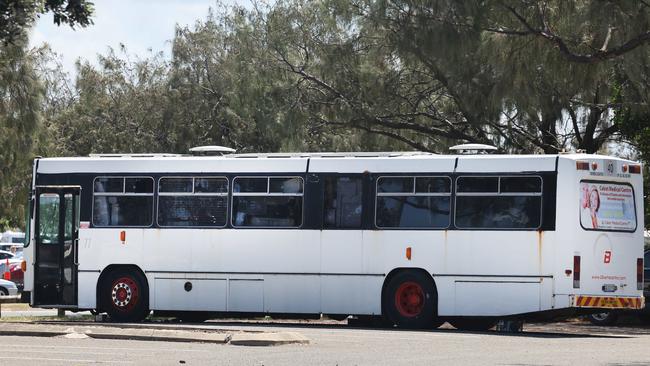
(506, 202)
(342, 202)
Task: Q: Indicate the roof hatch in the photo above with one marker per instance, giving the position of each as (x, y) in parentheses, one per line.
(211, 150)
(472, 149)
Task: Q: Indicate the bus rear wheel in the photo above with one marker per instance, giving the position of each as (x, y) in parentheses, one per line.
(125, 296)
(473, 324)
(604, 318)
(409, 301)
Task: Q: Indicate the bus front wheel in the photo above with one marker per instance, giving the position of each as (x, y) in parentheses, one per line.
(125, 296)
(409, 300)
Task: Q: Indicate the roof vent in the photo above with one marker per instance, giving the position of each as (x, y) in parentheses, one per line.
(471, 149)
(211, 150)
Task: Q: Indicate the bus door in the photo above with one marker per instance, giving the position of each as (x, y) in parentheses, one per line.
(56, 236)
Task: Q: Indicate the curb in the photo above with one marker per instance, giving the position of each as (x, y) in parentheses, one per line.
(31, 333)
(156, 326)
(164, 336)
(267, 339)
(157, 335)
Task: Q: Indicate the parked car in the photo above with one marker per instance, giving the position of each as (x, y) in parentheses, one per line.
(7, 257)
(12, 257)
(12, 237)
(610, 317)
(16, 275)
(8, 288)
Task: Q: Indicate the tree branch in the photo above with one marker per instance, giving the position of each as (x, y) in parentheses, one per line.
(598, 56)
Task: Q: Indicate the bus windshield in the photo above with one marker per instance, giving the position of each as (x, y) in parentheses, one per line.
(607, 206)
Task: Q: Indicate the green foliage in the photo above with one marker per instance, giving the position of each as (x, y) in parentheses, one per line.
(18, 15)
(298, 75)
(20, 116)
(633, 120)
(371, 74)
(22, 95)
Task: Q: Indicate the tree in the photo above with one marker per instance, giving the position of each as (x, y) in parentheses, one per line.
(18, 15)
(581, 31)
(20, 115)
(377, 74)
(503, 56)
(118, 106)
(21, 95)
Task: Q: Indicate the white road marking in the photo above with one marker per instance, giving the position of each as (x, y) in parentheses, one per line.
(29, 350)
(393, 337)
(107, 348)
(60, 360)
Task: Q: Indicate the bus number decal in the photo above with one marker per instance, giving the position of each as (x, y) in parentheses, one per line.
(608, 256)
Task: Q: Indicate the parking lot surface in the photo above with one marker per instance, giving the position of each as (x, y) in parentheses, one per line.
(334, 343)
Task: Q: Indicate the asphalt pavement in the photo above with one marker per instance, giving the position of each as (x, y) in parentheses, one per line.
(328, 343)
(342, 345)
(335, 343)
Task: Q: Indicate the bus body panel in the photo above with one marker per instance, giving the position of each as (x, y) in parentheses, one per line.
(162, 165)
(314, 270)
(624, 247)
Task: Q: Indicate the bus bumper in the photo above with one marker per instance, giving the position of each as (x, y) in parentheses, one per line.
(609, 302)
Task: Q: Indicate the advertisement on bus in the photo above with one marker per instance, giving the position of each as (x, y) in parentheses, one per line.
(607, 206)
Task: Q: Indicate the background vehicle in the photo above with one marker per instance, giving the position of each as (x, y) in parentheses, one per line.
(11, 264)
(4, 255)
(8, 288)
(16, 275)
(13, 241)
(12, 237)
(416, 238)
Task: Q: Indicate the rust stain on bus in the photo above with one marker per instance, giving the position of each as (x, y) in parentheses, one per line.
(540, 244)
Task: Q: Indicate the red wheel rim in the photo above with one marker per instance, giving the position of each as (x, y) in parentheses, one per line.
(409, 299)
(125, 294)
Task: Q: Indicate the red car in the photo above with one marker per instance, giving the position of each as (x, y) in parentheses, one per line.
(16, 275)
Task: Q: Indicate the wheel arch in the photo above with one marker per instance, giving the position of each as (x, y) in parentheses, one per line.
(398, 270)
(114, 267)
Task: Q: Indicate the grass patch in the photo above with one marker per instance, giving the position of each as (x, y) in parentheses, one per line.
(49, 318)
(15, 307)
(28, 319)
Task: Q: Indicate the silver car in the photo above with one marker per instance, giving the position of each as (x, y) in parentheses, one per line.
(8, 288)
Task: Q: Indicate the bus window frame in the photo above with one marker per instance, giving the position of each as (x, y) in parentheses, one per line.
(124, 177)
(636, 216)
(499, 194)
(192, 194)
(413, 194)
(267, 194)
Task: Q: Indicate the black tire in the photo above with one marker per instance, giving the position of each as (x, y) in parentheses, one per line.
(125, 296)
(477, 324)
(409, 301)
(193, 316)
(368, 321)
(4, 291)
(605, 318)
(644, 316)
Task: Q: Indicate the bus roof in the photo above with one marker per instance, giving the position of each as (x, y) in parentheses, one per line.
(303, 162)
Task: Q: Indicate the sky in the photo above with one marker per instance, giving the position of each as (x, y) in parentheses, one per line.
(143, 26)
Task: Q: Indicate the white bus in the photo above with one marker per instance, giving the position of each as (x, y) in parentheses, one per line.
(415, 238)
